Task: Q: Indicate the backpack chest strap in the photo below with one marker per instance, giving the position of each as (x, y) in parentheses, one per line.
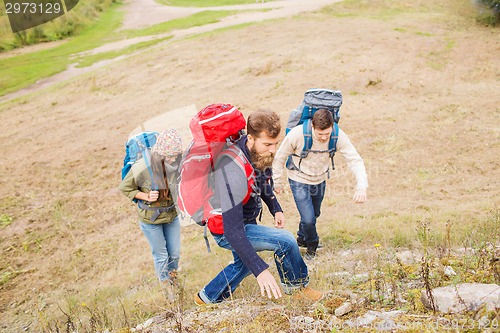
(308, 141)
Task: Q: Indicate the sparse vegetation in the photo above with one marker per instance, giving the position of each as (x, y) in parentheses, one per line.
(493, 16)
(205, 3)
(23, 70)
(19, 71)
(5, 220)
(198, 19)
(73, 258)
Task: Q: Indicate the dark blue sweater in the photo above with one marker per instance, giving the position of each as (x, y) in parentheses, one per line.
(230, 189)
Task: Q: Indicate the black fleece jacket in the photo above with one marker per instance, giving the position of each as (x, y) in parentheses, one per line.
(230, 189)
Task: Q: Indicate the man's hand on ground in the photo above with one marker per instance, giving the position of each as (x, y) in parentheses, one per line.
(268, 285)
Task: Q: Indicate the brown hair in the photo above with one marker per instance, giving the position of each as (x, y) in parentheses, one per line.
(264, 121)
(160, 175)
(322, 119)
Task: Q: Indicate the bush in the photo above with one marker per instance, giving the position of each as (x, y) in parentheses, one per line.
(64, 26)
(494, 6)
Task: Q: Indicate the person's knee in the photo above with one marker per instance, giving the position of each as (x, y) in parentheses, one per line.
(308, 220)
(307, 214)
(287, 240)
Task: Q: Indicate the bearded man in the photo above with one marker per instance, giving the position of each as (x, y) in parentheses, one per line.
(242, 235)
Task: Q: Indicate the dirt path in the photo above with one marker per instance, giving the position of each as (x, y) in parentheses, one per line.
(143, 13)
(140, 14)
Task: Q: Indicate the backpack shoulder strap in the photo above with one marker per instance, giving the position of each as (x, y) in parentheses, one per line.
(237, 155)
(332, 145)
(307, 132)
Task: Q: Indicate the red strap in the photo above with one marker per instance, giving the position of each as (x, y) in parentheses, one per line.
(241, 160)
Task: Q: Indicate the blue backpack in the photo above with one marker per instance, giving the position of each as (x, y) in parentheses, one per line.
(315, 99)
(137, 147)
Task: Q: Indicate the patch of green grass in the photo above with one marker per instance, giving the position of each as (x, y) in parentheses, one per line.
(71, 24)
(389, 144)
(401, 239)
(205, 3)
(5, 277)
(378, 9)
(20, 71)
(214, 32)
(388, 9)
(426, 34)
(438, 59)
(342, 239)
(449, 44)
(400, 230)
(195, 20)
(419, 33)
(5, 220)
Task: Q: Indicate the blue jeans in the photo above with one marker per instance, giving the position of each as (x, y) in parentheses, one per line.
(165, 242)
(308, 199)
(291, 267)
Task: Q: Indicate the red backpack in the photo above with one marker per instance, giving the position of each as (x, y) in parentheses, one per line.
(214, 130)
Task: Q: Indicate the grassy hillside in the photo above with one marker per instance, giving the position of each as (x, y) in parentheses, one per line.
(420, 84)
(20, 71)
(71, 24)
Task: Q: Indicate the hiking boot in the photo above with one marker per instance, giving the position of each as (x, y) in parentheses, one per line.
(311, 249)
(198, 301)
(307, 294)
(302, 243)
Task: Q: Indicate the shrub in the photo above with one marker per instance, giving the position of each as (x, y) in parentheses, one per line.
(494, 6)
(65, 26)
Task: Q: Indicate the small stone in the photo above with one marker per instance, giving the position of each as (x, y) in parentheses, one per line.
(365, 320)
(448, 271)
(362, 301)
(386, 325)
(463, 297)
(144, 325)
(343, 309)
(406, 257)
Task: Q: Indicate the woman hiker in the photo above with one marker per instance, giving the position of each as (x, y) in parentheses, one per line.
(158, 217)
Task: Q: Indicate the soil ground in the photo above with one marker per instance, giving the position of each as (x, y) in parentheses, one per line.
(421, 105)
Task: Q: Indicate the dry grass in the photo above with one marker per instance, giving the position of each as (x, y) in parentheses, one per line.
(427, 128)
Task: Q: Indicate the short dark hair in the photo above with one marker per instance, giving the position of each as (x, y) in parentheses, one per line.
(264, 121)
(322, 119)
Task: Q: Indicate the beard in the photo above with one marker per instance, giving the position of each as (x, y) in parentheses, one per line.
(261, 161)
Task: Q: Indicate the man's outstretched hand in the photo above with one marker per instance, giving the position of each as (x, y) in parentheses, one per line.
(268, 285)
(359, 196)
